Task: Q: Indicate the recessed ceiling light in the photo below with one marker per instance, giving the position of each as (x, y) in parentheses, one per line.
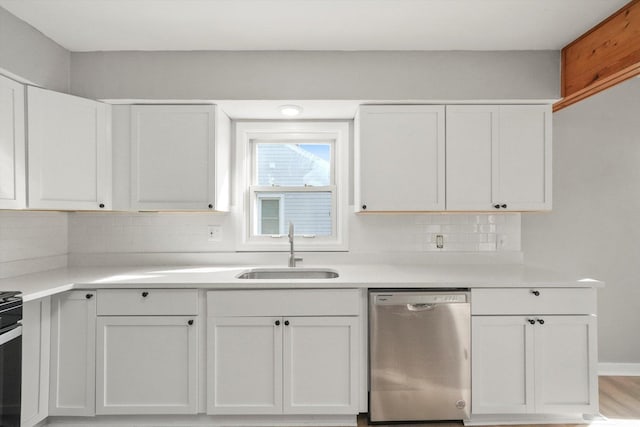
(290, 110)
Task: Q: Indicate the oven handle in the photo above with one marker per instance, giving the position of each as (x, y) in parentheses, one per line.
(11, 334)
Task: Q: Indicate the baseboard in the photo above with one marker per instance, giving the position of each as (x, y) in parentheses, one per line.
(619, 369)
(202, 420)
(528, 419)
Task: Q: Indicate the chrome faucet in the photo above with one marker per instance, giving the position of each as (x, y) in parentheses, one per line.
(292, 253)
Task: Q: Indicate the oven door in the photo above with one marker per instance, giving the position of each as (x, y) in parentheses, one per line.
(10, 375)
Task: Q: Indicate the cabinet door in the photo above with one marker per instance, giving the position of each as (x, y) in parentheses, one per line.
(400, 158)
(73, 354)
(12, 145)
(320, 365)
(565, 365)
(146, 365)
(36, 321)
(69, 151)
(522, 158)
(173, 157)
(471, 132)
(502, 365)
(244, 365)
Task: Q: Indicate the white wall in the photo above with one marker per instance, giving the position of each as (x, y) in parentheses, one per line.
(32, 241)
(222, 75)
(594, 229)
(29, 54)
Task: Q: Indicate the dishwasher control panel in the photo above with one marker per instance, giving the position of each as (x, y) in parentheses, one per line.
(421, 298)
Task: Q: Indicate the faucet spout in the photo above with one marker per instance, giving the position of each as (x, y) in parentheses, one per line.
(292, 253)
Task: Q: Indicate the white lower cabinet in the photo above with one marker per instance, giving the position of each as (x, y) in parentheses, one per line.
(36, 318)
(534, 364)
(565, 365)
(502, 365)
(275, 365)
(73, 354)
(320, 356)
(146, 365)
(259, 363)
(244, 365)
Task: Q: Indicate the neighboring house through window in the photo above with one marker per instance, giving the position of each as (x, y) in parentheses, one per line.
(294, 172)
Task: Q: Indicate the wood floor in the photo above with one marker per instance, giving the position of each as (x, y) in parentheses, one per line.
(619, 403)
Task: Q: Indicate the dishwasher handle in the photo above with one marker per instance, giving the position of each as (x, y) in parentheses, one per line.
(421, 307)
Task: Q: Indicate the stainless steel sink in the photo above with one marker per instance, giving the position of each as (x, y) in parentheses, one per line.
(288, 273)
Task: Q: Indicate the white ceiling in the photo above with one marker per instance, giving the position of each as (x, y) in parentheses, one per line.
(93, 25)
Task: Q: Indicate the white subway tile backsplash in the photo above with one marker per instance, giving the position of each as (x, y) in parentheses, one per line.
(32, 241)
(187, 232)
(147, 232)
(461, 233)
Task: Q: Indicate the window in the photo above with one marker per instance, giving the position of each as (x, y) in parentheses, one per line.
(294, 172)
(269, 210)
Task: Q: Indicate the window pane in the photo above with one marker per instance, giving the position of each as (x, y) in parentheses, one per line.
(293, 164)
(270, 221)
(310, 212)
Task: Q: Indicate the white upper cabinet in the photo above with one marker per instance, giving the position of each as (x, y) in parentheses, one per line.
(12, 145)
(400, 158)
(498, 157)
(179, 158)
(522, 158)
(471, 131)
(69, 151)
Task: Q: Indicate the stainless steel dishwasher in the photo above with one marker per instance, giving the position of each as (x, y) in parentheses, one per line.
(419, 355)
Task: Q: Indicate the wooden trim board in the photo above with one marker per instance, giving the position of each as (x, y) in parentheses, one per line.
(602, 57)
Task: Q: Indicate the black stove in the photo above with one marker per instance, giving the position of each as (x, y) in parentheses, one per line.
(10, 358)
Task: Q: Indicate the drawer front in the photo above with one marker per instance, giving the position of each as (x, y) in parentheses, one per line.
(147, 302)
(533, 301)
(283, 302)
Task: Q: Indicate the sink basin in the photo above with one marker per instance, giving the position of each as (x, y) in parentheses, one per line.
(288, 273)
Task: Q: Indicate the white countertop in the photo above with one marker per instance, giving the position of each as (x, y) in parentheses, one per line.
(46, 283)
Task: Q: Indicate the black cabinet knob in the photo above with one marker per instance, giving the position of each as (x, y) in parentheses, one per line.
(190, 322)
(277, 323)
(496, 206)
(364, 207)
(210, 206)
(88, 296)
(533, 322)
(145, 294)
(536, 293)
(503, 206)
(541, 321)
(101, 205)
(286, 323)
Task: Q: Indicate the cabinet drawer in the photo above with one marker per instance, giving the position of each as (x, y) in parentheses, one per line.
(533, 301)
(284, 302)
(147, 302)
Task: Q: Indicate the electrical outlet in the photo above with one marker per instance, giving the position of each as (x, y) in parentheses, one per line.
(214, 233)
(439, 241)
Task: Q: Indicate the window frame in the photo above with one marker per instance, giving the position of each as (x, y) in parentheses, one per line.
(247, 134)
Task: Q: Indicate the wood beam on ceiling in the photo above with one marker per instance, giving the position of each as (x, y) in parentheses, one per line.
(604, 56)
